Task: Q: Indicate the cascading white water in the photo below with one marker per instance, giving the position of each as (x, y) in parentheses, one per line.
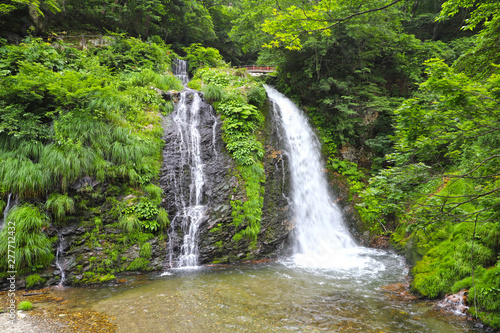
(59, 260)
(322, 239)
(190, 213)
(214, 132)
(180, 70)
(6, 211)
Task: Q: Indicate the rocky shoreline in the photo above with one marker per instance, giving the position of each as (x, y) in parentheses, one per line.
(51, 315)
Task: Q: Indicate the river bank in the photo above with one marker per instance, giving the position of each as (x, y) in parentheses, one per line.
(51, 315)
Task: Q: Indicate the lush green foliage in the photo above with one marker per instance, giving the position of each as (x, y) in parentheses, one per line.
(66, 114)
(443, 184)
(199, 56)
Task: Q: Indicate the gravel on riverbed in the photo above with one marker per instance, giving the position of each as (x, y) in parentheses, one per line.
(51, 314)
(24, 323)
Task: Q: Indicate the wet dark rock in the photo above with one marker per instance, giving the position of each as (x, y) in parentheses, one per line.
(222, 185)
(83, 183)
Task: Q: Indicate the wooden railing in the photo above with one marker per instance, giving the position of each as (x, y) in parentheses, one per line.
(255, 68)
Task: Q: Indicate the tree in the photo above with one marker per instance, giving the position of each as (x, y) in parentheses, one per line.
(482, 11)
(290, 24)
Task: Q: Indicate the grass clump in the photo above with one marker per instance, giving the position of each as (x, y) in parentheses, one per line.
(60, 205)
(33, 247)
(24, 306)
(138, 264)
(129, 223)
(145, 251)
(33, 280)
(154, 192)
(212, 93)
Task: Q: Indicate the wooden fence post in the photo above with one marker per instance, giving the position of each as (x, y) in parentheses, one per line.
(83, 43)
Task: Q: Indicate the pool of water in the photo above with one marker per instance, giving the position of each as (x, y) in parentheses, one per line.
(279, 296)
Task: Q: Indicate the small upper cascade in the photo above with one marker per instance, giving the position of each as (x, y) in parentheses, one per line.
(180, 70)
(322, 239)
(60, 264)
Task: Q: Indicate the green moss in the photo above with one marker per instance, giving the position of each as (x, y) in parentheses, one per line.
(216, 229)
(92, 278)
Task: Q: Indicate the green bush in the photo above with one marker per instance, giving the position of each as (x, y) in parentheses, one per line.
(155, 193)
(212, 93)
(199, 56)
(257, 96)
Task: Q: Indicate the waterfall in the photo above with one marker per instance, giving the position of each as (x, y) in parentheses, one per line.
(6, 211)
(190, 210)
(321, 238)
(188, 178)
(60, 264)
(180, 70)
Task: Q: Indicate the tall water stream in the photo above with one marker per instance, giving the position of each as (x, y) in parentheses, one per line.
(329, 284)
(185, 170)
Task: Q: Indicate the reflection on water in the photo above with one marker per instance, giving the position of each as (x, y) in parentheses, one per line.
(272, 297)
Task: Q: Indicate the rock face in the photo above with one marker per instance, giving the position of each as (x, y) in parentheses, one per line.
(221, 185)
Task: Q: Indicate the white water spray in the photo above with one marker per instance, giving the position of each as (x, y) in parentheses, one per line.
(322, 240)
